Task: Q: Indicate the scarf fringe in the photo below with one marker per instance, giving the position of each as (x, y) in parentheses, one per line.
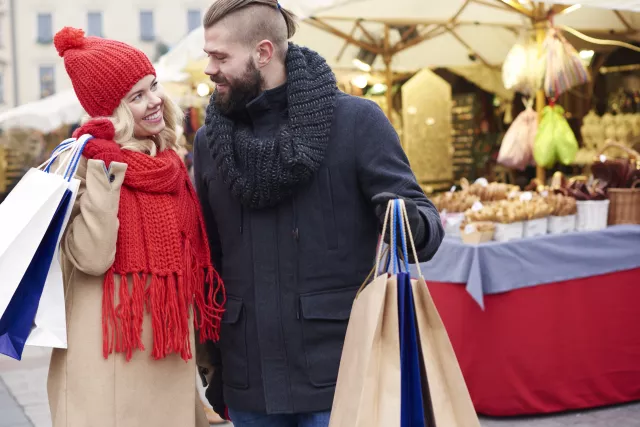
(137, 306)
(168, 299)
(210, 307)
(123, 314)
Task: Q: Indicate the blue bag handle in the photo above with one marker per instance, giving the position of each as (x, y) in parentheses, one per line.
(398, 229)
(397, 220)
(63, 146)
(77, 146)
(75, 161)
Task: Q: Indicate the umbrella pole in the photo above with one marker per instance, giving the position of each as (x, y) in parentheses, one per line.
(387, 57)
(389, 94)
(540, 27)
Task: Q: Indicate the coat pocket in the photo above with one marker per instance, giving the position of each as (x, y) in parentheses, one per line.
(233, 344)
(325, 316)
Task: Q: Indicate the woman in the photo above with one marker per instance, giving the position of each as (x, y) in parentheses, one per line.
(135, 256)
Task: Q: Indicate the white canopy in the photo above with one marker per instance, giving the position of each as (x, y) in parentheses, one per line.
(64, 108)
(631, 5)
(45, 115)
(488, 28)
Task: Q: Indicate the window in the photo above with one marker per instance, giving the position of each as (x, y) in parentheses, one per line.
(47, 81)
(45, 28)
(146, 26)
(194, 19)
(94, 24)
(1, 87)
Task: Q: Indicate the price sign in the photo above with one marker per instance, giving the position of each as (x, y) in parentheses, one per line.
(482, 182)
(526, 196)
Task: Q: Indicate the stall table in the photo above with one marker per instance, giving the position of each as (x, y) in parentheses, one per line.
(545, 324)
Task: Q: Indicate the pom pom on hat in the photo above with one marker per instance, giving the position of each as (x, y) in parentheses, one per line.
(68, 38)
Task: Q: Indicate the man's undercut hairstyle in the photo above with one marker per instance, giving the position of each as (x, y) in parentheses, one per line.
(254, 21)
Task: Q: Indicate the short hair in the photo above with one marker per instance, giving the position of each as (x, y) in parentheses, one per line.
(263, 19)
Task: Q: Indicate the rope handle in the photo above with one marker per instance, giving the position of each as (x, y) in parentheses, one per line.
(396, 216)
(384, 230)
(411, 240)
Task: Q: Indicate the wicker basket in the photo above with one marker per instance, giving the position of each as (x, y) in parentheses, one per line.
(625, 202)
(625, 205)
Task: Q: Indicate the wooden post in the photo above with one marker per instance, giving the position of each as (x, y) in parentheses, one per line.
(387, 57)
(540, 27)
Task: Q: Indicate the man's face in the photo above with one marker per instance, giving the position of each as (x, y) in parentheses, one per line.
(232, 68)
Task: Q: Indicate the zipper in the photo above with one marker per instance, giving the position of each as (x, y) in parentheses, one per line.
(296, 238)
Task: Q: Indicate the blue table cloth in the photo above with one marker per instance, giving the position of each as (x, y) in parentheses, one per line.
(492, 268)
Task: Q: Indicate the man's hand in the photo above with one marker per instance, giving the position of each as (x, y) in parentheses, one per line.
(381, 201)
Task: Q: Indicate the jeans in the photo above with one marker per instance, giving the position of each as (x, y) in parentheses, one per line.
(251, 419)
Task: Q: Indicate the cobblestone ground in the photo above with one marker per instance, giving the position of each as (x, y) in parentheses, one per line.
(23, 401)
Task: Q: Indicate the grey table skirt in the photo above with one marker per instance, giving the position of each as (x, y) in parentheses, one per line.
(492, 268)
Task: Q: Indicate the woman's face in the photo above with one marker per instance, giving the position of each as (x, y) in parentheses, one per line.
(146, 102)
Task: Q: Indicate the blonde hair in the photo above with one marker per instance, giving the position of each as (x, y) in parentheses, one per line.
(124, 124)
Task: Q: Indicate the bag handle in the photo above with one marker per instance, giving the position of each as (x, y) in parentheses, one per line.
(384, 251)
(61, 148)
(71, 169)
(411, 240)
(396, 218)
(69, 164)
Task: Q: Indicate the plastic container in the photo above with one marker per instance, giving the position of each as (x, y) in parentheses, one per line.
(592, 215)
(536, 227)
(507, 232)
(561, 224)
(471, 236)
(451, 223)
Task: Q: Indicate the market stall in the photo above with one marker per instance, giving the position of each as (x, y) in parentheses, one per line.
(542, 293)
(565, 345)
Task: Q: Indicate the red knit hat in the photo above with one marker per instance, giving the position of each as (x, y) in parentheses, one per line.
(102, 71)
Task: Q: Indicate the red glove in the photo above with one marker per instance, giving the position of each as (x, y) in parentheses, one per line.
(102, 146)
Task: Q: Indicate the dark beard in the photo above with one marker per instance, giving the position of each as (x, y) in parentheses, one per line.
(240, 91)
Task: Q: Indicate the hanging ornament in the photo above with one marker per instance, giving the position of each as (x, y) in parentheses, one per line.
(564, 69)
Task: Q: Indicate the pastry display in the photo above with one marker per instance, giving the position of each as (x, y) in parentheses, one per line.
(455, 202)
(561, 205)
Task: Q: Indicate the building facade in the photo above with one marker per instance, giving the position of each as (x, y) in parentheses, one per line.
(33, 69)
(6, 57)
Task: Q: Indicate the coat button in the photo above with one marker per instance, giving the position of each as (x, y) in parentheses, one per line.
(112, 178)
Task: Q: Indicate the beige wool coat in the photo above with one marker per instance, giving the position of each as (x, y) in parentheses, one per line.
(85, 390)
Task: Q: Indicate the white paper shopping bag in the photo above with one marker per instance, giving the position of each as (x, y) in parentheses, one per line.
(24, 218)
(50, 325)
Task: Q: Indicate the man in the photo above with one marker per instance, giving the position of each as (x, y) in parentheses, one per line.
(294, 179)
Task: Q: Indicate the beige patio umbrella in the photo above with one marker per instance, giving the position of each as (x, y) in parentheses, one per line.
(414, 34)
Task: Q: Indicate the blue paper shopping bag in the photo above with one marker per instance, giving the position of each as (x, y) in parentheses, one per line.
(433, 392)
(18, 317)
(16, 322)
(414, 399)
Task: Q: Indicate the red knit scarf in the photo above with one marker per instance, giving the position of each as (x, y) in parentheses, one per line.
(161, 241)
